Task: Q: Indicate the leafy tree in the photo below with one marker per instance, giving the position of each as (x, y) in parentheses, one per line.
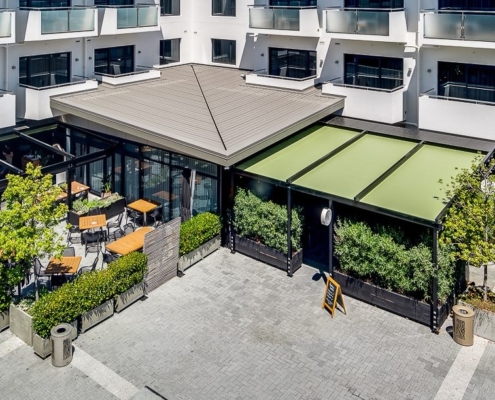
(470, 221)
(28, 221)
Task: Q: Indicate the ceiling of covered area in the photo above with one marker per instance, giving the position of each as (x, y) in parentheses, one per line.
(396, 175)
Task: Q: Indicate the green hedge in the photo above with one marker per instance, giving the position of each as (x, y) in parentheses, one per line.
(265, 221)
(384, 257)
(87, 292)
(197, 231)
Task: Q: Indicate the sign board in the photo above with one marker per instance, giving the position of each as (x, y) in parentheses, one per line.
(333, 296)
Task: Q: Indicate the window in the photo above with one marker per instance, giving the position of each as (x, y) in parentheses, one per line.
(292, 63)
(114, 2)
(477, 5)
(44, 3)
(293, 3)
(224, 8)
(466, 81)
(114, 60)
(223, 51)
(170, 7)
(44, 70)
(169, 51)
(375, 72)
(374, 3)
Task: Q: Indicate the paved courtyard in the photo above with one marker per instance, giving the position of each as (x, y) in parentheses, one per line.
(233, 328)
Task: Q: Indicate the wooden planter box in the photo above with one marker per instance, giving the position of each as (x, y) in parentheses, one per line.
(484, 322)
(267, 255)
(43, 347)
(21, 324)
(408, 307)
(189, 259)
(96, 315)
(4, 320)
(130, 296)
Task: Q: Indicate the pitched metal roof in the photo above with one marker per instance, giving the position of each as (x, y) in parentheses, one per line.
(203, 111)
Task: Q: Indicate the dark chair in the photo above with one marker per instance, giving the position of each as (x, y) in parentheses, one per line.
(116, 226)
(88, 268)
(69, 252)
(92, 242)
(109, 257)
(58, 280)
(39, 270)
(73, 219)
(134, 216)
(157, 215)
(94, 211)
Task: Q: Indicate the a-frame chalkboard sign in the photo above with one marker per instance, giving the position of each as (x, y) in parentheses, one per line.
(333, 296)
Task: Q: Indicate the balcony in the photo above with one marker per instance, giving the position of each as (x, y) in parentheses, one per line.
(34, 102)
(458, 28)
(7, 26)
(284, 20)
(115, 20)
(117, 78)
(35, 24)
(262, 78)
(7, 109)
(375, 24)
(381, 105)
(456, 115)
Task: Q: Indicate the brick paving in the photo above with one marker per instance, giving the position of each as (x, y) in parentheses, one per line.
(233, 328)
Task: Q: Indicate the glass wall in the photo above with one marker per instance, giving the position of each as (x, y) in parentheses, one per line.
(293, 3)
(44, 3)
(292, 63)
(374, 72)
(44, 70)
(474, 5)
(114, 60)
(223, 51)
(169, 51)
(225, 8)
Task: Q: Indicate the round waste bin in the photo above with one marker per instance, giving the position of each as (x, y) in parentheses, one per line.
(463, 325)
(61, 345)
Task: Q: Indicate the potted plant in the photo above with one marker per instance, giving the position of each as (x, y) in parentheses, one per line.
(106, 186)
(261, 231)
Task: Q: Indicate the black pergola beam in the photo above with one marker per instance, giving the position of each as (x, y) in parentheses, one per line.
(326, 157)
(11, 167)
(388, 172)
(46, 146)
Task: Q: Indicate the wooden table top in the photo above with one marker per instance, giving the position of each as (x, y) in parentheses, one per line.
(132, 242)
(92, 221)
(75, 188)
(165, 195)
(63, 265)
(142, 206)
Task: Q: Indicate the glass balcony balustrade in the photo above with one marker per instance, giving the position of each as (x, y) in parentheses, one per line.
(275, 18)
(359, 21)
(5, 23)
(137, 17)
(460, 25)
(67, 20)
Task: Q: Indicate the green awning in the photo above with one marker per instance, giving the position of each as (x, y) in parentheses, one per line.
(396, 175)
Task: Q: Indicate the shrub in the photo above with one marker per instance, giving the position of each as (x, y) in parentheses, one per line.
(384, 257)
(265, 221)
(197, 231)
(87, 292)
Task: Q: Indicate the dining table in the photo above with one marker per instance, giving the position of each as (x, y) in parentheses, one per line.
(132, 242)
(143, 206)
(63, 265)
(92, 221)
(75, 188)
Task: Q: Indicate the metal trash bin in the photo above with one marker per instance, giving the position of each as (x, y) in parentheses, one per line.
(61, 345)
(463, 325)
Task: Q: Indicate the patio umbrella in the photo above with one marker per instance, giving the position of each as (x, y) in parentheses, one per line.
(185, 196)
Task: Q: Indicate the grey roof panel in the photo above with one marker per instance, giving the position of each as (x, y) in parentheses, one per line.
(176, 112)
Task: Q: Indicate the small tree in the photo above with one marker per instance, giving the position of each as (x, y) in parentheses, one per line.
(470, 221)
(28, 221)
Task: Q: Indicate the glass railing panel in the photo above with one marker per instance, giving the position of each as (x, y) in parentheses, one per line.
(261, 18)
(5, 24)
(54, 21)
(147, 16)
(81, 20)
(373, 23)
(443, 26)
(479, 27)
(341, 21)
(127, 17)
(286, 19)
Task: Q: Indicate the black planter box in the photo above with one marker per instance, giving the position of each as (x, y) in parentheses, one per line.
(399, 304)
(265, 254)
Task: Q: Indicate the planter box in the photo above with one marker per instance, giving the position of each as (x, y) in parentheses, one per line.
(43, 347)
(96, 315)
(4, 320)
(399, 304)
(189, 259)
(130, 296)
(484, 322)
(267, 255)
(21, 324)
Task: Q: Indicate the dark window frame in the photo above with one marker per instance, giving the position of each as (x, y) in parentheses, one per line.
(114, 3)
(170, 7)
(44, 3)
(109, 60)
(380, 66)
(164, 59)
(290, 3)
(387, 4)
(291, 70)
(472, 5)
(219, 43)
(223, 8)
(33, 78)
